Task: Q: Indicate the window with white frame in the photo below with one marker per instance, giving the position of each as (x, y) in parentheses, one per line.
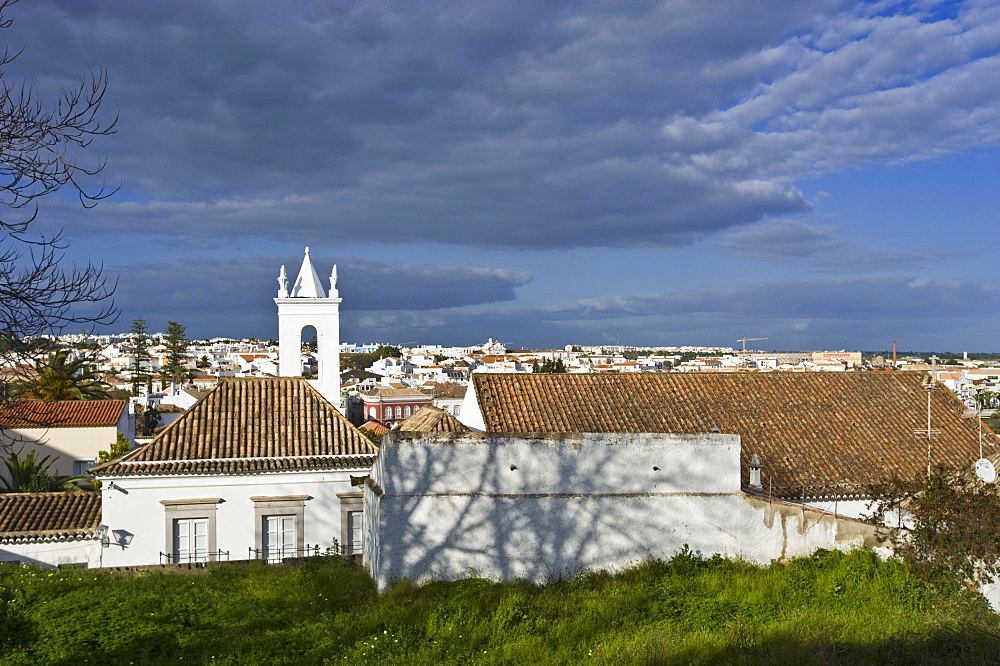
(352, 544)
(399, 412)
(190, 530)
(406, 412)
(190, 540)
(279, 532)
(279, 538)
(351, 523)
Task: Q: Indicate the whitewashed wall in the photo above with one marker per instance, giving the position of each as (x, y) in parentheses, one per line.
(42, 553)
(451, 505)
(853, 508)
(133, 506)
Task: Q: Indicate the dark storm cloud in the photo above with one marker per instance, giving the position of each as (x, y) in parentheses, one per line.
(819, 247)
(530, 124)
(497, 124)
(233, 296)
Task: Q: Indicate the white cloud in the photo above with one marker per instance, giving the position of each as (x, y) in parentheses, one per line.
(865, 88)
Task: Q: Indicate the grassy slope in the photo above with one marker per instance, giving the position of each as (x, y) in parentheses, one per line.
(829, 608)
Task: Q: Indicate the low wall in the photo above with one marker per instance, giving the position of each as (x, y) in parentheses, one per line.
(52, 553)
(541, 507)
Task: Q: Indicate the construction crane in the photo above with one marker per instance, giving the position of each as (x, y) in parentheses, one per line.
(744, 341)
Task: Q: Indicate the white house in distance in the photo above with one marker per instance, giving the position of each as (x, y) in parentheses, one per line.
(259, 469)
(71, 431)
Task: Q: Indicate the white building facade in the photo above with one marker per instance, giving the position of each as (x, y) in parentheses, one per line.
(261, 468)
(267, 516)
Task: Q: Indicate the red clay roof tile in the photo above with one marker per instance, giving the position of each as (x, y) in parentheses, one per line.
(44, 516)
(60, 414)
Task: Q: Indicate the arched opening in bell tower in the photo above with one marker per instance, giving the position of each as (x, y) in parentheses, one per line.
(309, 337)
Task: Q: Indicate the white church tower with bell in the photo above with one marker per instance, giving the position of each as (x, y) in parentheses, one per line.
(308, 304)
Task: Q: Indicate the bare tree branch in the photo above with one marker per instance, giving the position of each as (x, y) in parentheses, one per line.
(41, 152)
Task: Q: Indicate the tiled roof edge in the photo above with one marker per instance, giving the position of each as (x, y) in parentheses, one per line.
(176, 461)
(83, 534)
(363, 460)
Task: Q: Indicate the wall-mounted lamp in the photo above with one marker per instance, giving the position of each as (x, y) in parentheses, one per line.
(121, 537)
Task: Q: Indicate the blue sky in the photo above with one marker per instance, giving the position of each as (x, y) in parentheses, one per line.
(820, 173)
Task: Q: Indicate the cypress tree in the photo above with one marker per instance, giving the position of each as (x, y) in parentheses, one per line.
(176, 342)
(139, 334)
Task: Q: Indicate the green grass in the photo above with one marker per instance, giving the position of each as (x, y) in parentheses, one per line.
(825, 609)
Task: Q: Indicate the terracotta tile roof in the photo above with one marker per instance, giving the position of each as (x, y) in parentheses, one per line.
(235, 466)
(375, 427)
(61, 414)
(817, 434)
(48, 516)
(431, 419)
(251, 425)
(360, 374)
(446, 389)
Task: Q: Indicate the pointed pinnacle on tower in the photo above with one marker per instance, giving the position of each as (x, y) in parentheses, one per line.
(307, 284)
(282, 283)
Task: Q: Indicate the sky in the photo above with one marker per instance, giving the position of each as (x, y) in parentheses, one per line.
(820, 173)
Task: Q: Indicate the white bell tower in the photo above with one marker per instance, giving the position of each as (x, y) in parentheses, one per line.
(307, 304)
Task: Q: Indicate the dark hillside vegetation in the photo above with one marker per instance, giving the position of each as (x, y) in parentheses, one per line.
(828, 608)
